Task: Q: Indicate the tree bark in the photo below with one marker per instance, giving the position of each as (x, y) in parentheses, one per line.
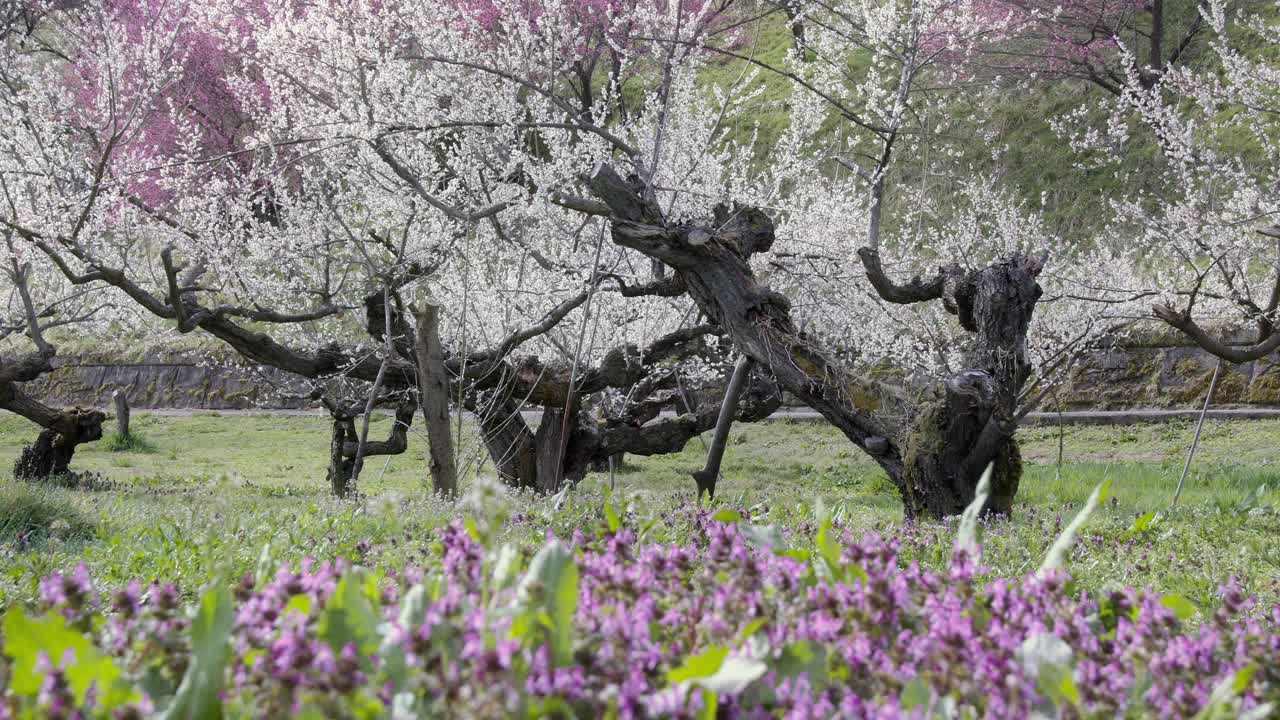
(50, 455)
(935, 449)
(1156, 57)
(531, 459)
(388, 338)
(509, 441)
(526, 459)
(397, 439)
(63, 430)
(550, 461)
(345, 444)
(710, 472)
(798, 40)
(122, 413)
(339, 475)
(433, 396)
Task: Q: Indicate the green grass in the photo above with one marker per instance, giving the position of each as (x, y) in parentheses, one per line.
(215, 490)
(133, 442)
(286, 454)
(31, 513)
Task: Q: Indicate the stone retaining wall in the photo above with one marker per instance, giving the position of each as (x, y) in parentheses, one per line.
(169, 381)
(1145, 375)
(1168, 376)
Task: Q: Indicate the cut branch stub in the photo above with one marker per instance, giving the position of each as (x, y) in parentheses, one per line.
(917, 290)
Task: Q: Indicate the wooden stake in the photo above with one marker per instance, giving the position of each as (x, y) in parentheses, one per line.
(707, 476)
(122, 413)
(1186, 467)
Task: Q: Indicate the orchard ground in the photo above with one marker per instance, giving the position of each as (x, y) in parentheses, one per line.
(206, 495)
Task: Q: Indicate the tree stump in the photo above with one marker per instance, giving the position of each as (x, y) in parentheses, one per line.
(122, 413)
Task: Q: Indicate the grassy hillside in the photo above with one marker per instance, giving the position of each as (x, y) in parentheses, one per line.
(1024, 151)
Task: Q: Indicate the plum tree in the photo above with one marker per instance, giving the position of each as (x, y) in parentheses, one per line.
(284, 177)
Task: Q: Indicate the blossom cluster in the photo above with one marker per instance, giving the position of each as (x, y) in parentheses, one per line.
(731, 623)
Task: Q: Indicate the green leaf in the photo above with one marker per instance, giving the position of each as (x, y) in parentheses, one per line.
(1259, 712)
(1040, 649)
(803, 657)
(1182, 607)
(550, 707)
(1222, 700)
(364, 706)
(916, 694)
(404, 704)
(644, 531)
(504, 565)
(559, 499)
(699, 665)
(710, 704)
(1249, 502)
(1056, 682)
(469, 523)
(413, 606)
(733, 675)
(554, 571)
(299, 602)
(1141, 523)
(967, 535)
(828, 548)
(751, 628)
(611, 518)
(349, 616)
(197, 694)
(263, 572)
(726, 515)
(829, 551)
(1057, 554)
(1047, 659)
(799, 554)
(25, 639)
(715, 670)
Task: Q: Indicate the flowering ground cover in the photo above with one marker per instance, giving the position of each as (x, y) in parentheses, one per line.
(614, 619)
(1156, 609)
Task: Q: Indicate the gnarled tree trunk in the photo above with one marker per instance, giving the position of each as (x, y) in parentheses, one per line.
(63, 430)
(50, 455)
(970, 423)
(528, 459)
(340, 466)
(344, 444)
(933, 450)
(510, 443)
